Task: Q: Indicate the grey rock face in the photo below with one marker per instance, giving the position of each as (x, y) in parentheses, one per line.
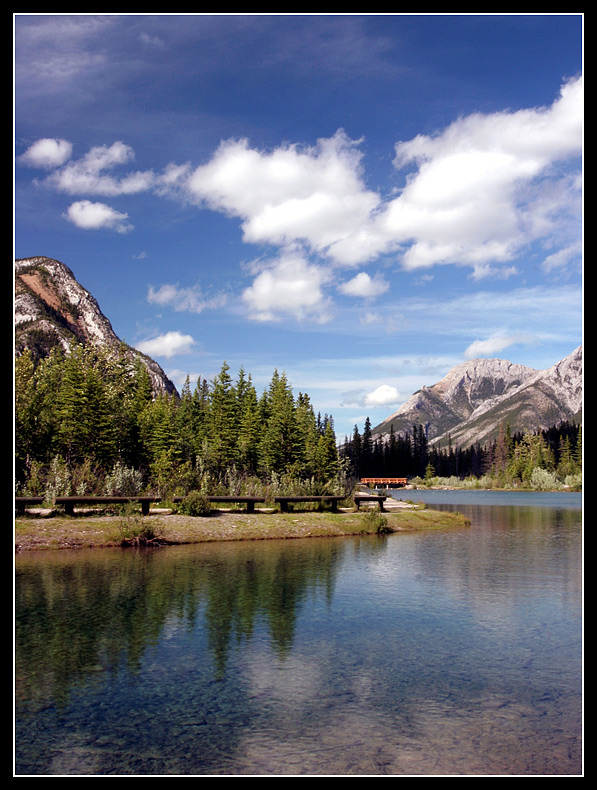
(470, 402)
(52, 309)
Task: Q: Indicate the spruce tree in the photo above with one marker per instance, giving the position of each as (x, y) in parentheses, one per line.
(357, 453)
(367, 450)
(249, 431)
(307, 436)
(222, 426)
(278, 449)
(327, 454)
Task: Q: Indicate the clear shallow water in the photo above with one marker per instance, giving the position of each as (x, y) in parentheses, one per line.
(555, 500)
(449, 653)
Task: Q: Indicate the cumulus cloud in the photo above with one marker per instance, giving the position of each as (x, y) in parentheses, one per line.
(183, 299)
(88, 174)
(313, 195)
(47, 153)
(475, 194)
(383, 395)
(365, 286)
(495, 345)
(469, 199)
(168, 345)
(289, 287)
(95, 216)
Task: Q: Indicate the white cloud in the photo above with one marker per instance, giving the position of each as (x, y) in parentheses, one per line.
(87, 175)
(168, 345)
(47, 153)
(469, 201)
(151, 41)
(479, 191)
(561, 259)
(495, 345)
(291, 287)
(183, 299)
(312, 195)
(364, 286)
(383, 395)
(95, 216)
(476, 194)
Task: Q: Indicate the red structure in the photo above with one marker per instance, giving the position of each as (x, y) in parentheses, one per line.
(384, 481)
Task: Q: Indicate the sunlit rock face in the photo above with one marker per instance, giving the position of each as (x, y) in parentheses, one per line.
(474, 398)
(52, 309)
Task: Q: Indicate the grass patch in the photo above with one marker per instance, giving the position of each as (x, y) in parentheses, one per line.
(135, 530)
(61, 532)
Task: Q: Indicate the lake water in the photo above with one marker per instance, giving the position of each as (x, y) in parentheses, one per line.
(451, 653)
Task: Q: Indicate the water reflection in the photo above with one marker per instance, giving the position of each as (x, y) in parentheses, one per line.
(77, 615)
(449, 653)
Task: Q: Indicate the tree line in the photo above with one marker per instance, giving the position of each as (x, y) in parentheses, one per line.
(88, 421)
(509, 460)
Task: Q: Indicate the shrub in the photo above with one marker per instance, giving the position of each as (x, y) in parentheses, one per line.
(58, 482)
(574, 482)
(195, 504)
(543, 480)
(135, 530)
(375, 522)
(123, 481)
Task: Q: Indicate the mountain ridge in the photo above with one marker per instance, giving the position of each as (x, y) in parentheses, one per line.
(468, 404)
(51, 308)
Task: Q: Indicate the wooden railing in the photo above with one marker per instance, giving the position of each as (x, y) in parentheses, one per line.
(384, 481)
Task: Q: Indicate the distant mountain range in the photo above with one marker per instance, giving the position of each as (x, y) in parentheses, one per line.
(469, 403)
(52, 309)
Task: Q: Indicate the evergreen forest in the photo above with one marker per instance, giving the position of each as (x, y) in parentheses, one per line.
(88, 423)
(546, 459)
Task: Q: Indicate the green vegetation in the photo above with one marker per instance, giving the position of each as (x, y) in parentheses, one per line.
(544, 460)
(376, 522)
(195, 504)
(93, 530)
(132, 529)
(88, 423)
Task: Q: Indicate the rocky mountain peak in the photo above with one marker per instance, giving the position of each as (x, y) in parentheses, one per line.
(51, 308)
(468, 404)
(477, 381)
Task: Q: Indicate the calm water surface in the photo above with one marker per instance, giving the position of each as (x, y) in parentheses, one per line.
(450, 653)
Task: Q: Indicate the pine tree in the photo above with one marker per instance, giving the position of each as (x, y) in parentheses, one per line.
(249, 431)
(71, 408)
(307, 436)
(419, 448)
(25, 414)
(357, 453)
(327, 454)
(97, 422)
(222, 425)
(278, 449)
(367, 450)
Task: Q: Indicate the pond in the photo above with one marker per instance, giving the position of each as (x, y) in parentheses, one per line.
(457, 652)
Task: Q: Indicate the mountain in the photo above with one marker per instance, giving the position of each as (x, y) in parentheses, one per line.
(469, 403)
(52, 309)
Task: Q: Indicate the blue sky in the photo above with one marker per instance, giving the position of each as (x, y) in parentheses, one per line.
(361, 201)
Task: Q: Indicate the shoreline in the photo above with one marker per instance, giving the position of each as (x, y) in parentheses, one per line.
(88, 529)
